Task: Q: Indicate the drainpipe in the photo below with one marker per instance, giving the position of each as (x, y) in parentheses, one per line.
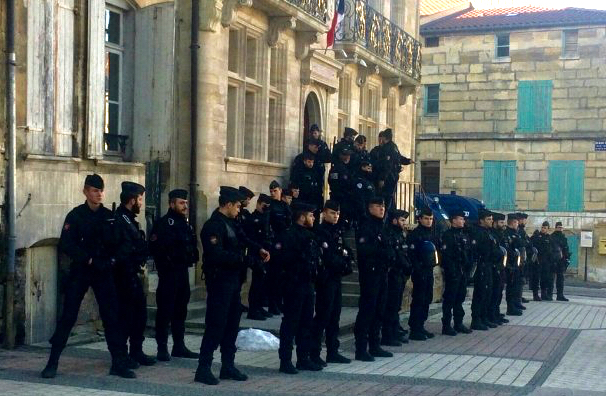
(9, 339)
(193, 167)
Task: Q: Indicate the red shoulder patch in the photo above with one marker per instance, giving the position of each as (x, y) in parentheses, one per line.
(153, 238)
(66, 226)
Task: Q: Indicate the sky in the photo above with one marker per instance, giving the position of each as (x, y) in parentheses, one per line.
(594, 4)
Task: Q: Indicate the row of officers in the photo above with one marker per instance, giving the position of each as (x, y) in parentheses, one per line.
(296, 271)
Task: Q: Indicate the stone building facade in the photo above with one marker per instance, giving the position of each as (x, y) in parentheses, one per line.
(105, 86)
(512, 111)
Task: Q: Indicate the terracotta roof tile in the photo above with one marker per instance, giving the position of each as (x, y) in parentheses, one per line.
(430, 7)
(513, 18)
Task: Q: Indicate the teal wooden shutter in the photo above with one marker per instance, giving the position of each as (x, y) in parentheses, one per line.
(566, 186)
(534, 106)
(573, 247)
(499, 184)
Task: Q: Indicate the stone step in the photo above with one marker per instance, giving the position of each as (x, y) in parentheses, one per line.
(350, 300)
(350, 287)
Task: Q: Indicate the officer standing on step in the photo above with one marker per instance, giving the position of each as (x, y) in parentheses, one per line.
(302, 253)
(224, 245)
(544, 244)
(422, 247)
(131, 256)
(337, 261)
(399, 272)
(88, 238)
(173, 245)
(455, 257)
(563, 261)
(374, 256)
(280, 218)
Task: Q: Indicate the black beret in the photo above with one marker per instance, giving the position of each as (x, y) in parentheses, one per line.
(274, 184)
(177, 193)
(95, 181)
(132, 188)
(513, 216)
(425, 212)
(345, 151)
(376, 201)
(314, 128)
(559, 224)
(287, 192)
(349, 132)
(364, 163)
(313, 141)
(308, 156)
(388, 134)
(264, 198)
(498, 216)
(246, 192)
(360, 139)
(231, 194)
(332, 204)
(298, 207)
(293, 185)
(523, 215)
(545, 224)
(484, 213)
(397, 213)
(456, 213)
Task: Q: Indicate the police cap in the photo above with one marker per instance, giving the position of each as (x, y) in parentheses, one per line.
(314, 128)
(349, 132)
(513, 216)
(274, 184)
(313, 142)
(545, 224)
(376, 201)
(132, 188)
(558, 224)
(95, 181)
(523, 215)
(332, 205)
(293, 185)
(308, 156)
(484, 213)
(302, 207)
(287, 192)
(388, 134)
(498, 216)
(246, 192)
(397, 213)
(345, 152)
(231, 194)
(456, 213)
(264, 198)
(177, 193)
(360, 139)
(425, 212)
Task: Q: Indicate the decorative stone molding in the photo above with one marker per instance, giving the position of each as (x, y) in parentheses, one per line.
(303, 41)
(364, 72)
(230, 11)
(389, 83)
(405, 92)
(321, 69)
(210, 15)
(276, 26)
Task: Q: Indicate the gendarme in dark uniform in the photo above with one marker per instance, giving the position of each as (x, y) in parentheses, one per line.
(562, 259)
(131, 256)
(174, 247)
(223, 246)
(88, 238)
(545, 245)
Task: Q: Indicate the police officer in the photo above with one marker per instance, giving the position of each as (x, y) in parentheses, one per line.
(422, 250)
(131, 257)
(363, 191)
(527, 257)
(562, 259)
(387, 168)
(280, 218)
(302, 253)
(360, 153)
(543, 273)
(345, 143)
(173, 245)
(500, 270)
(340, 180)
(88, 238)
(223, 244)
(259, 230)
(337, 261)
(312, 148)
(373, 256)
(514, 276)
(323, 155)
(483, 247)
(241, 220)
(310, 182)
(399, 271)
(455, 261)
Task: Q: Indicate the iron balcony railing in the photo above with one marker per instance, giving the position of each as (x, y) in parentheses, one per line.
(315, 8)
(365, 26)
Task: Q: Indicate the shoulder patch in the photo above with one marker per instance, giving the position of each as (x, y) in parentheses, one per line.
(66, 227)
(126, 218)
(171, 221)
(362, 240)
(359, 185)
(213, 240)
(325, 245)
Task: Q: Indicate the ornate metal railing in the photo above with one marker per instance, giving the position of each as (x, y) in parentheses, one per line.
(316, 8)
(367, 27)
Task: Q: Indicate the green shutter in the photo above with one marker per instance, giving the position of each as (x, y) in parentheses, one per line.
(566, 186)
(499, 185)
(534, 106)
(573, 247)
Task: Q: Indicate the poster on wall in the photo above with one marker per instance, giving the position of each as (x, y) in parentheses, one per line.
(586, 239)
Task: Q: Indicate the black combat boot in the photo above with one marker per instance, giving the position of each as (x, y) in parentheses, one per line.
(447, 328)
(119, 368)
(377, 351)
(427, 333)
(535, 295)
(265, 313)
(318, 360)
(520, 306)
(561, 298)
(137, 355)
(181, 351)
(230, 372)
(255, 315)
(460, 328)
(489, 324)
(478, 324)
(287, 367)
(50, 371)
(363, 356)
(403, 337)
(336, 357)
(513, 311)
(390, 342)
(163, 354)
(544, 295)
(417, 335)
(525, 300)
(205, 376)
(307, 365)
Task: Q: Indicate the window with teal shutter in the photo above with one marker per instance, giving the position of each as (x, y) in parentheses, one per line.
(566, 186)
(499, 190)
(534, 106)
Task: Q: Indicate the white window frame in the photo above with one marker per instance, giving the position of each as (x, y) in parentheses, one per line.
(565, 33)
(498, 58)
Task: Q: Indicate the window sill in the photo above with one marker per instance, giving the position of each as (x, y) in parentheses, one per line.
(241, 165)
(502, 60)
(570, 57)
(53, 158)
(431, 115)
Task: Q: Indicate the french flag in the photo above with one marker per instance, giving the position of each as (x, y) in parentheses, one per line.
(336, 21)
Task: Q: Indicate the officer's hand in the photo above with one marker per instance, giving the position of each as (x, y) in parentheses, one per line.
(90, 261)
(264, 255)
(381, 183)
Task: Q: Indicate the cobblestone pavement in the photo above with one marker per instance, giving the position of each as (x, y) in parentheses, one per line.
(554, 349)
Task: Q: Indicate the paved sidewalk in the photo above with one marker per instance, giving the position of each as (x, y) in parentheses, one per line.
(554, 349)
